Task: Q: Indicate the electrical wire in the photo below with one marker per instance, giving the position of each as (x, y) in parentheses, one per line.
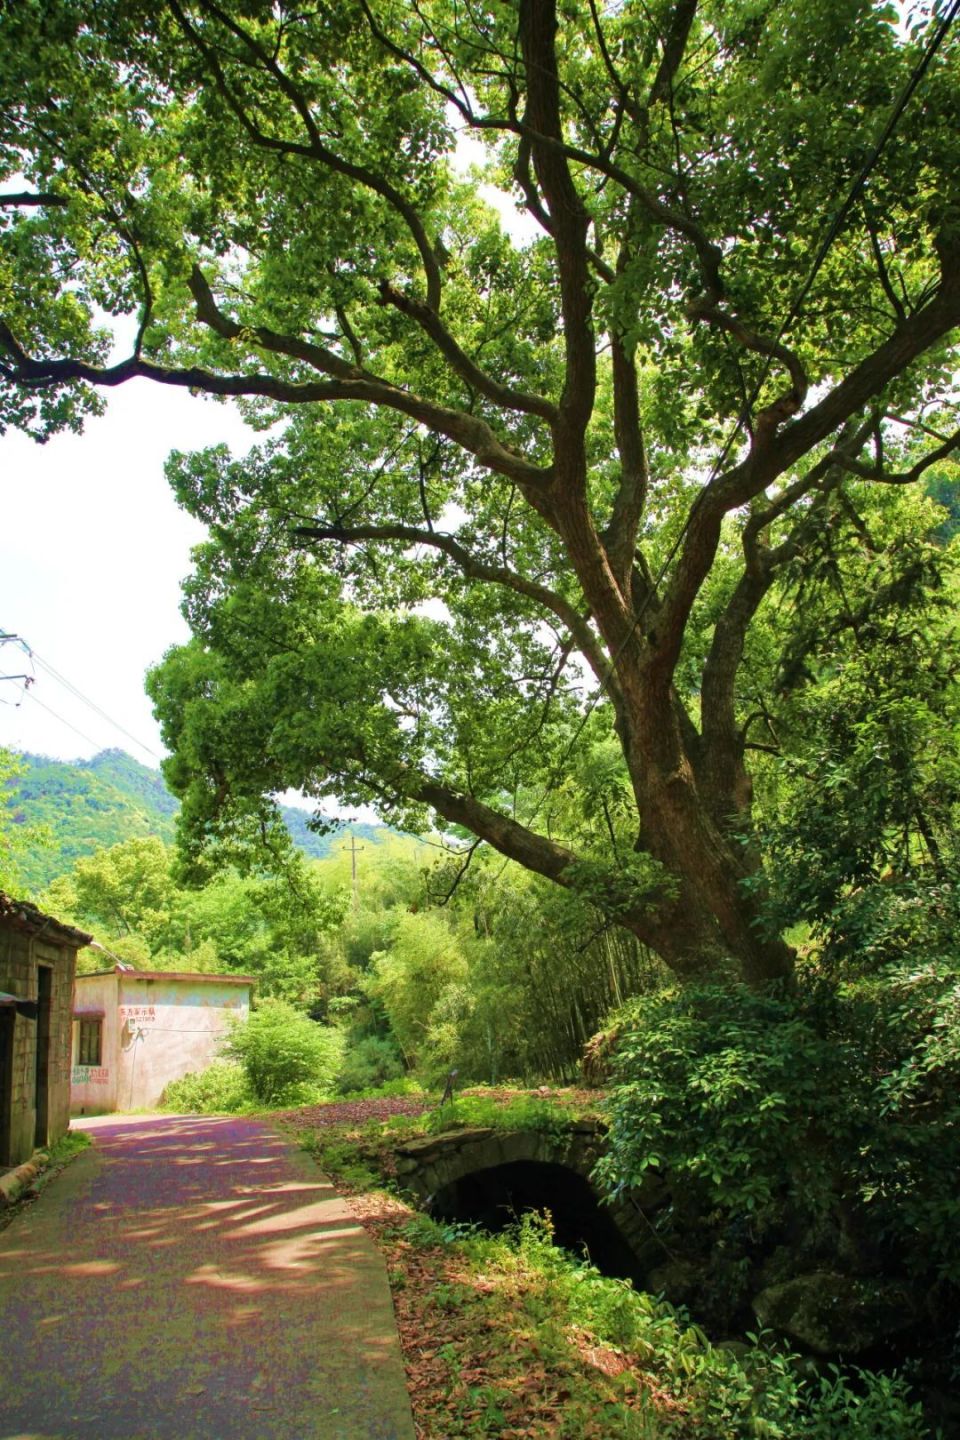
(79, 695)
(37, 701)
(54, 674)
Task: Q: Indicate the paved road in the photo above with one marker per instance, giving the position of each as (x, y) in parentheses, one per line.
(195, 1279)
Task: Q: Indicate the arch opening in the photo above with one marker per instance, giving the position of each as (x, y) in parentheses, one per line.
(496, 1198)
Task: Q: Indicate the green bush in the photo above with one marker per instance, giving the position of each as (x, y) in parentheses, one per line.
(288, 1058)
(736, 1093)
(837, 1101)
(368, 1063)
(221, 1089)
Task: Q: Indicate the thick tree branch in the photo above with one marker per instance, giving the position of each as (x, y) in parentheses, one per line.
(24, 199)
(474, 569)
(722, 741)
(911, 338)
(528, 848)
(903, 477)
(524, 178)
(674, 49)
(620, 537)
(822, 477)
(327, 362)
(709, 255)
(473, 434)
(569, 221)
(773, 454)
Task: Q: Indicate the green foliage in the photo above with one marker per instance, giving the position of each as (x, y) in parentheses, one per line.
(287, 1058)
(833, 1110)
(545, 968)
(338, 1157)
(369, 1063)
(270, 926)
(221, 1089)
(860, 807)
(421, 983)
(127, 890)
(19, 841)
(471, 436)
(68, 1145)
(735, 1094)
(523, 1112)
(65, 811)
(88, 805)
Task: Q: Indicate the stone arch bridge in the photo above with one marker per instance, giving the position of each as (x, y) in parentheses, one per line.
(492, 1176)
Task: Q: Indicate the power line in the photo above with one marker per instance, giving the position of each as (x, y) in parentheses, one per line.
(76, 693)
(37, 701)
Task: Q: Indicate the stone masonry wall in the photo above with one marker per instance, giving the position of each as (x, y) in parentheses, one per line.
(62, 960)
(425, 1166)
(18, 977)
(20, 954)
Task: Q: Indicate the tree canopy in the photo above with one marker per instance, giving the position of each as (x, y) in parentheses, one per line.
(530, 492)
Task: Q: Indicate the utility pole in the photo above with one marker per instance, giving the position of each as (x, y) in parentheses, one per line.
(6, 635)
(354, 848)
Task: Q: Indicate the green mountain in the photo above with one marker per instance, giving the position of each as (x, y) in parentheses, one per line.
(86, 804)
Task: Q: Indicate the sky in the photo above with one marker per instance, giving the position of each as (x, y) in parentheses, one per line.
(92, 551)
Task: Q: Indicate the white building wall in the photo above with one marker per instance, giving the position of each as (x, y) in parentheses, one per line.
(159, 1028)
(93, 1088)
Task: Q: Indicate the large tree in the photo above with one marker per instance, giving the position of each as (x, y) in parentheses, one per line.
(593, 438)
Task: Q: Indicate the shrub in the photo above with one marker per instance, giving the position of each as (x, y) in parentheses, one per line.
(288, 1058)
(221, 1089)
(840, 1101)
(736, 1093)
(703, 1390)
(368, 1064)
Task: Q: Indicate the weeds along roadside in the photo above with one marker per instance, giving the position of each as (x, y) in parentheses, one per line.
(52, 1160)
(508, 1336)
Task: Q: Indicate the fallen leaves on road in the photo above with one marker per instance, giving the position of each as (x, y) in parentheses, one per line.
(352, 1112)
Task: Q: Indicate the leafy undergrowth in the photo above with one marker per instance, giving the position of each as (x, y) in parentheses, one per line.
(491, 1349)
(509, 1336)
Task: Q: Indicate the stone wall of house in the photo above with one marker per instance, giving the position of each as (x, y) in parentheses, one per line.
(21, 955)
(63, 963)
(17, 977)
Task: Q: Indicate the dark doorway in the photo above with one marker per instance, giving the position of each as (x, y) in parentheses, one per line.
(44, 1005)
(496, 1198)
(6, 1080)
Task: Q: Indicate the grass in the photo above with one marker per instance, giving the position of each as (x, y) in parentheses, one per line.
(58, 1155)
(69, 1145)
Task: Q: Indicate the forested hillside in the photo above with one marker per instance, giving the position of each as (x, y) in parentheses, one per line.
(81, 806)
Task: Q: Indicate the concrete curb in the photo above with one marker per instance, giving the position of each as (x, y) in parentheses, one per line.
(14, 1182)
